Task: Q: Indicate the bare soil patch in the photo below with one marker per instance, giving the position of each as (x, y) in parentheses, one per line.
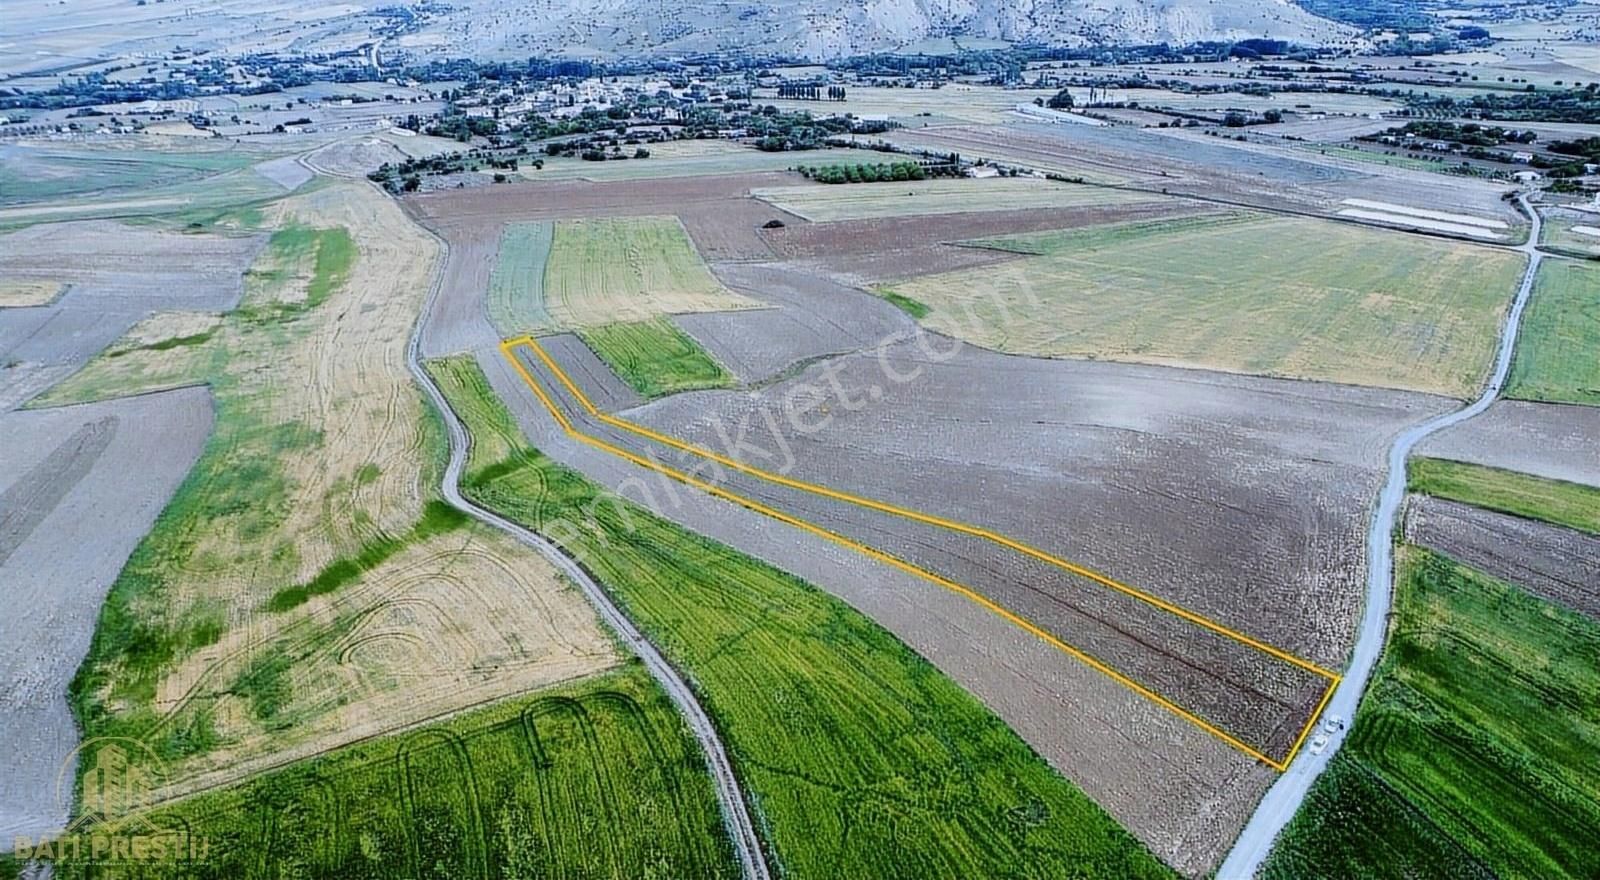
(79, 487)
(23, 294)
(1544, 439)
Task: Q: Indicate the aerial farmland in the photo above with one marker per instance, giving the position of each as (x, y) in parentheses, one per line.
(953, 458)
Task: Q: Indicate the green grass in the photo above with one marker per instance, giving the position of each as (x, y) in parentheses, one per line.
(1558, 350)
(908, 305)
(593, 779)
(1473, 753)
(1379, 157)
(515, 298)
(602, 271)
(41, 173)
(655, 358)
(1297, 297)
(1573, 505)
(862, 759)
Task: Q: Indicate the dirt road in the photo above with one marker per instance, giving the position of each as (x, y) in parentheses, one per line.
(1283, 800)
(741, 830)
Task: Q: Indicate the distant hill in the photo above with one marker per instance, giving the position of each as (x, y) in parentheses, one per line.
(822, 29)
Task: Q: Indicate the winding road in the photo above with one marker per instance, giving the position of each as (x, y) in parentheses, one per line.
(1283, 800)
(735, 814)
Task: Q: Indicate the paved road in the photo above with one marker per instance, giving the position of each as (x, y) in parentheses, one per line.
(1286, 795)
(734, 812)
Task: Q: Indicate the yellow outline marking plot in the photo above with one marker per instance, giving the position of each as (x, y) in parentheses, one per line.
(507, 350)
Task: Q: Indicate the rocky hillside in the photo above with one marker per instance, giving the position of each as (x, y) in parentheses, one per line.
(831, 28)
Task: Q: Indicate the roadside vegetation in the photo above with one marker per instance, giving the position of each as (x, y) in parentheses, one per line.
(655, 358)
(1300, 298)
(597, 778)
(1473, 752)
(1573, 505)
(861, 759)
(1558, 352)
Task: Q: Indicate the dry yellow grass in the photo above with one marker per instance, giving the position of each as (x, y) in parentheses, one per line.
(453, 622)
(21, 294)
(323, 450)
(1298, 298)
(629, 269)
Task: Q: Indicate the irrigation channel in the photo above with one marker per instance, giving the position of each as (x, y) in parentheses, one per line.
(1283, 800)
(735, 814)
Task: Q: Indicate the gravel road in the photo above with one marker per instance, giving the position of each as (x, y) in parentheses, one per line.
(1283, 800)
(736, 816)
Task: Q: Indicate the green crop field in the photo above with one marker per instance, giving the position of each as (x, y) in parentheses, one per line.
(1473, 753)
(1246, 293)
(597, 778)
(861, 759)
(1573, 505)
(1558, 351)
(868, 200)
(515, 298)
(628, 269)
(655, 357)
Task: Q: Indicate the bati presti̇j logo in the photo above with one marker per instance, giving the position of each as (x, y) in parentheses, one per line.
(113, 825)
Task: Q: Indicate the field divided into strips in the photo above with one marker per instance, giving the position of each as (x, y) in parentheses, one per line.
(1573, 505)
(860, 758)
(515, 299)
(1247, 293)
(305, 587)
(1558, 351)
(861, 201)
(597, 778)
(1473, 752)
(1204, 628)
(628, 269)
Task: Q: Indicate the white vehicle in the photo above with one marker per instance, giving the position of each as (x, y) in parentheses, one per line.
(1333, 723)
(1318, 743)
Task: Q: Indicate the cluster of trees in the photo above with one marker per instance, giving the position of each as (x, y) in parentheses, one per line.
(1467, 134)
(462, 127)
(872, 173)
(1555, 105)
(798, 92)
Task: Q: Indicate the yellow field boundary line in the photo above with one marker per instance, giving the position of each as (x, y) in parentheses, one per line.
(507, 349)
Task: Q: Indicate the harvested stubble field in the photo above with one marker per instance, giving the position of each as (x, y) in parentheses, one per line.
(25, 294)
(835, 725)
(1552, 562)
(1291, 297)
(823, 204)
(302, 589)
(1558, 349)
(1571, 232)
(1456, 765)
(1066, 437)
(595, 778)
